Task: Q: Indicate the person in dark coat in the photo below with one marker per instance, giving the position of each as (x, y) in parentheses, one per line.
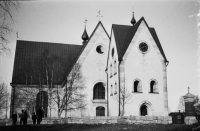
(40, 114)
(22, 117)
(25, 117)
(14, 118)
(34, 118)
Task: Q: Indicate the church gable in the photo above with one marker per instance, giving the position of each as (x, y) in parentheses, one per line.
(124, 35)
(149, 35)
(98, 33)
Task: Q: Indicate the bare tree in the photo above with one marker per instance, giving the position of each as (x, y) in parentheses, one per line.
(71, 97)
(6, 17)
(196, 99)
(181, 104)
(47, 72)
(4, 97)
(197, 108)
(26, 98)
(124, 99)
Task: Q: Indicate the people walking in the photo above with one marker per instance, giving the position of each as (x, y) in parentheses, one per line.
(34, 118)
(14, 118)
(22, 117)
(25, 117)
(40, 114)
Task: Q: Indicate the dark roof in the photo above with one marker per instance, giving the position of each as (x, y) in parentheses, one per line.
(124, 34)
(28, 57)
(189, 95)
(155, 37)
(176, 113)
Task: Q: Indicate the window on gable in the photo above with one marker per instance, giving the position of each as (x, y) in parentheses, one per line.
(99, 91)
(137, 86)
(115, 88)
(153, 86)
(113, 52)
(111, 70)
(115, 67)
(100, 49)
(111, 90)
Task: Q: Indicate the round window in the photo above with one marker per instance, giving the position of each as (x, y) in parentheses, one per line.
(100, 49)
(143, 47)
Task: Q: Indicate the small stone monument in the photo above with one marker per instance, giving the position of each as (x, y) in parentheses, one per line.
(189, 104)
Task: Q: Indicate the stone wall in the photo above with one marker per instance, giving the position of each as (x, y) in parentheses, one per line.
(112, 120)
(104, 120)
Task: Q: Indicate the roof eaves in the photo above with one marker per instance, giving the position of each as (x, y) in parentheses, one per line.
(155, 37)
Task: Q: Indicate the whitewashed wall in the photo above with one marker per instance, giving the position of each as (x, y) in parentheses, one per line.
(113, 77)
(93, 69)
(144, 67)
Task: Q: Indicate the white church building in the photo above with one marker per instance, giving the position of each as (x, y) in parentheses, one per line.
(130, 61)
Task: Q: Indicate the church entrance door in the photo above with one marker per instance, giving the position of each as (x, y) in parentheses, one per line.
(143, 110)
(42, 101)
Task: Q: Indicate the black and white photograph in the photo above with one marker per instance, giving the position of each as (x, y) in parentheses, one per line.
(100, 65)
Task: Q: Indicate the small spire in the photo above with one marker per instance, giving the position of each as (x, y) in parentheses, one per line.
(133, 21)
(188, 89)
(85, 36)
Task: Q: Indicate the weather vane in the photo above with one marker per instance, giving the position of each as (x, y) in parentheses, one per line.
(85, 21)
(99, 15)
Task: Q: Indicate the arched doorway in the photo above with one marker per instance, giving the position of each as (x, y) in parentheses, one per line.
(100, 111)
(42, 101)
(143, 110)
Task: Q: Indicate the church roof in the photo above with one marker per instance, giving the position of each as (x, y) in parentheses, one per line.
(124, 34)
(189, 95)
(27, 52)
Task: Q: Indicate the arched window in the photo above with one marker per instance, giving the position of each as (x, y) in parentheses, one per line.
(115, 67)
(111, 70)
(115, 88)
(111, 90)
(99, 91)
(100, 111)
(113, 52)
(153, 86)
(137, 86)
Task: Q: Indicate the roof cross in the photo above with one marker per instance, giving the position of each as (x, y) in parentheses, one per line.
(99, 15)
(17, 35)
(85, 21)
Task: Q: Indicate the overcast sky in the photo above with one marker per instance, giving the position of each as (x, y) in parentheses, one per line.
(62, 22)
